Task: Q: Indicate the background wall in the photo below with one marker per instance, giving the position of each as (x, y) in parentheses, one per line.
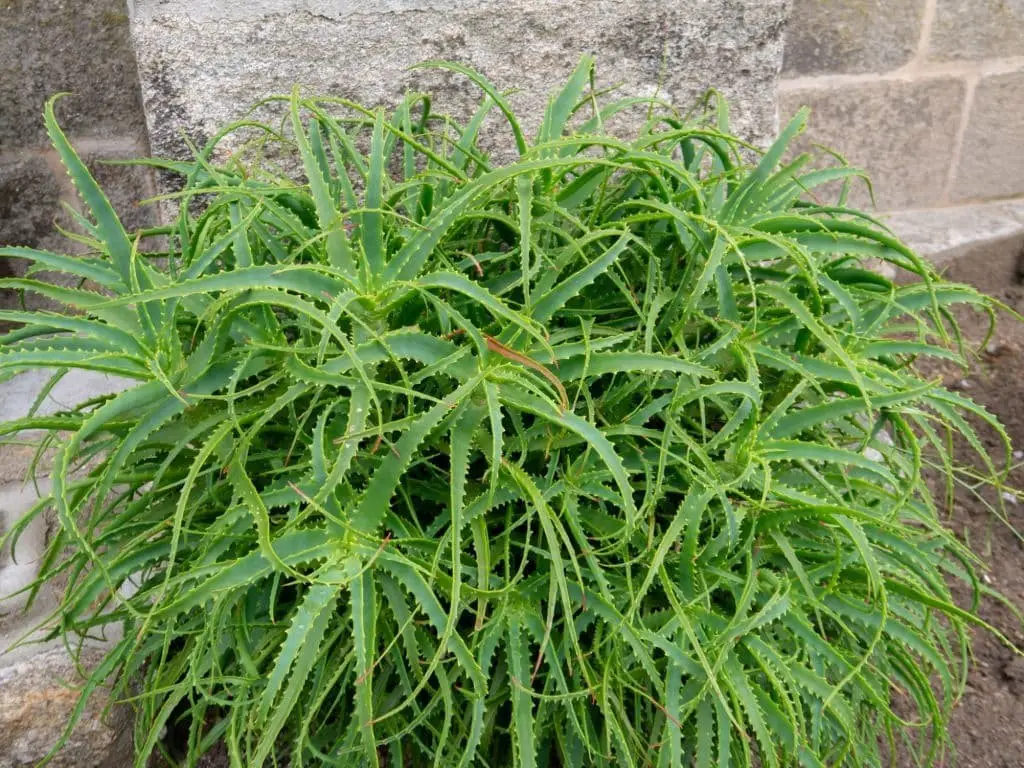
(82, 46)
(927, 94)
(48, 46)
(204, 61)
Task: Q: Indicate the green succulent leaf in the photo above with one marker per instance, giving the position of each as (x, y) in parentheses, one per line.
(613, 454)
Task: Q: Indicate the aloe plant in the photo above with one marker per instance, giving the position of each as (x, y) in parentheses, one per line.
(611, 455)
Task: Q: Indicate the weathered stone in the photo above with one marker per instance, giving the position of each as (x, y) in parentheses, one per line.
(18, 394)
(944, 234)
(992, 157)
(19, 567)
(125, 185)
(40, 682)
(977, 29)
(48, 46)
(977, 244)
(848, 36)
(202, 62)
(36, 702)
(900, 132)
(29, 200)
(29, 204)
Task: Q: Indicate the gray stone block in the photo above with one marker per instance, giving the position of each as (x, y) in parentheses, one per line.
(992, 158)
(18, 394)
(978, 244)
(977, 29)
(30, 211)
(850, 36)
(901, 132)
(126, 186)
(943, 234)
(29, 200)
(36, 701)
(202, 62)
(82, 46)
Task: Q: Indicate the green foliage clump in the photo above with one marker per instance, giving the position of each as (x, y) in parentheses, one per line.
(611, 455)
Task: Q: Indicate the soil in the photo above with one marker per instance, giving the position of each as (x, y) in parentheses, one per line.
(987, 728)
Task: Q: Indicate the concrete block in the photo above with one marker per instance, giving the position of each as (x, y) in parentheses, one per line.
(202, 62)
(851, 36)
(943, 234)
(978, 244)
(125, 185)
(19, 568)
(80, 46)
(18, 394)
(29, 200)
(37, 696)
(977, 29)
(38, 680)
(901, 132)
(992, 158)
(29, 204)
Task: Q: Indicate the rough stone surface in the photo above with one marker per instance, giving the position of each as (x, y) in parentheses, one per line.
(14, 461)
(30, 207)
(992, 157)
(850, 36)
(202, 62)
(901, 132)
(125, 185)
(19, 621)
(943, 234)
(48, 46)
(977, 29)
(18, 394)
(35, 703)
(29, 197)
(19, 567)
(978, 244)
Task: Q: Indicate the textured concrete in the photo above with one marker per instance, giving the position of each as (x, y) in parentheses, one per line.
(901, 132)
(977, 29)
(37, 697)
(20, 568)
(944, 234)
(48, 46)
(18, 394)
(201, 62)
(38, 680)
(851, 36)
(29, 200)
(992, 157)
(978, 244)
(125, 185)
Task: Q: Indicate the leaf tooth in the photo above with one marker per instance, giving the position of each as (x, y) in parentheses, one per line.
(318, 598)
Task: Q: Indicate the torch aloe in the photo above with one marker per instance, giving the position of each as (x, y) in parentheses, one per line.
(610, 455)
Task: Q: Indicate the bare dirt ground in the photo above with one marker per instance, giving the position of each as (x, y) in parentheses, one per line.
(988, 726)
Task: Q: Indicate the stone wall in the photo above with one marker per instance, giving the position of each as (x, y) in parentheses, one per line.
(203, 61)
(927, 94)
(48, 46)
